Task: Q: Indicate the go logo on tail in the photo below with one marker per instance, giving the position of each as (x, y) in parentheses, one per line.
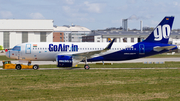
(162, 32)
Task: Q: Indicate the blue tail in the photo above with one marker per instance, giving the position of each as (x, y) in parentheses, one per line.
(162, 32)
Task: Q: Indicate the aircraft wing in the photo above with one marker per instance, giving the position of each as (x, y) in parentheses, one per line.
(158, 48)
(86, 55)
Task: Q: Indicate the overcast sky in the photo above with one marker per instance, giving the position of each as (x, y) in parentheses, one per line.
(93, 14)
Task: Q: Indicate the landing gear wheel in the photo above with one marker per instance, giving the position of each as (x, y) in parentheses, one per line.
(18, 67)
(86, 67)
(35, 67)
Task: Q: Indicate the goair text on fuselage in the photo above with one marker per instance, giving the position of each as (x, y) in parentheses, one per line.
(63, 47)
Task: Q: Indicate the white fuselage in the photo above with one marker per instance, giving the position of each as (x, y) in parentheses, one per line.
(45, 51)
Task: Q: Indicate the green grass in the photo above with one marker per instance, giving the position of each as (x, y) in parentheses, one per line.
(98, 85)
(4, 58)
(164, 55)
(89, 85)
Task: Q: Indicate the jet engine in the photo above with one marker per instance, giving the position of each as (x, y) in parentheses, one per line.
(64, 61)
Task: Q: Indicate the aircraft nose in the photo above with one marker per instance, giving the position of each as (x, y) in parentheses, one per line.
(8, 54)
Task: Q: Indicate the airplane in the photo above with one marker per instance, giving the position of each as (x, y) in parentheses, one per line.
(69, 54)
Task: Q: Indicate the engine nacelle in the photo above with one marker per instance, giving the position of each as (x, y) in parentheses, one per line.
(64, 61)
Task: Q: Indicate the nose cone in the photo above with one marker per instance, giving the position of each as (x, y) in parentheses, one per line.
(8, 54)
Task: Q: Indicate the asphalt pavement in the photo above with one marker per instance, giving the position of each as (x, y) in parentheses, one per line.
(76, 68)
(142, 60)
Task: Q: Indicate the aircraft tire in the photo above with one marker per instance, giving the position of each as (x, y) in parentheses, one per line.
(18, 67)
(35, 67)
(87, 67)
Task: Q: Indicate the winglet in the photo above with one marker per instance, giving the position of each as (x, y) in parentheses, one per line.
(110, 44)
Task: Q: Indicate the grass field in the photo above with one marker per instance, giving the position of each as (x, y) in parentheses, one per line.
(88, 85)
(93, 85)
(164, 55)
(2, 57)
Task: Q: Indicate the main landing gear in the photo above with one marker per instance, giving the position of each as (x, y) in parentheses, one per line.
(86, 66)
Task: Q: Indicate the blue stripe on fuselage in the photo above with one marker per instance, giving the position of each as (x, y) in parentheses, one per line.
(128, 54)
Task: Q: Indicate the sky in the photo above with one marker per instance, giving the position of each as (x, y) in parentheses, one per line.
(93, 14)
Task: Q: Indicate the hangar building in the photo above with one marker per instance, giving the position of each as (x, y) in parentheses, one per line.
(71, 33)
(16, 31)
(126, 36)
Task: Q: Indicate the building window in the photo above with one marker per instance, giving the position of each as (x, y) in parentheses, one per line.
(6, 39)
(24, 37)
(132, 39)
(124, 39)
(60, 33)
(42, 36)
(60, 37)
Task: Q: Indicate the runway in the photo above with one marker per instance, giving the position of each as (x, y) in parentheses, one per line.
(142, 60)
(76, 68)
(103, 68)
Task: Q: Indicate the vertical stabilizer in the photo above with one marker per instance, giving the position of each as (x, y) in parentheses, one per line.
(162, 32)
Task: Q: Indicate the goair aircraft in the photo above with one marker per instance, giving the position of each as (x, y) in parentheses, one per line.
(69, 54)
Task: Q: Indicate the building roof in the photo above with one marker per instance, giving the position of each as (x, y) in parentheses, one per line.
(26, 25)
(71, 28)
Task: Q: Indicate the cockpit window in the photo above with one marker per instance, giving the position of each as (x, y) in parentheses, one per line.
(17, 48)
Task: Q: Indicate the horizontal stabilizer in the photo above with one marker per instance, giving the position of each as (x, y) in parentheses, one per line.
(158, 48)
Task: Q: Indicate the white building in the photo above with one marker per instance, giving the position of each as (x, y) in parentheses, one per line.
(119, 39)
(16, 31)
(72, 33)
(127, 36)
(121, 36)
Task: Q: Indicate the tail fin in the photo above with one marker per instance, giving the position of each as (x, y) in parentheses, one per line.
(162, 32)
